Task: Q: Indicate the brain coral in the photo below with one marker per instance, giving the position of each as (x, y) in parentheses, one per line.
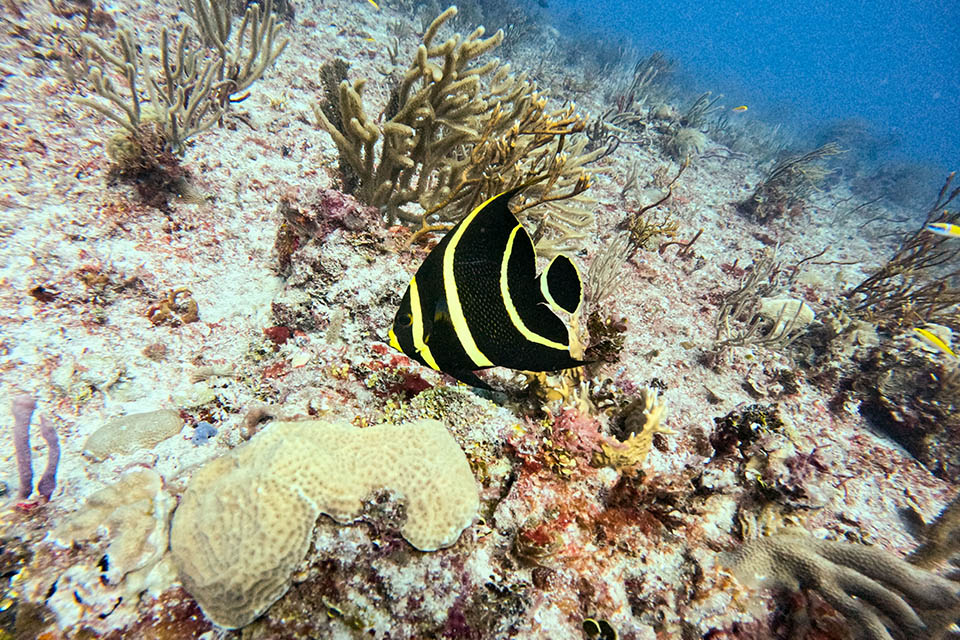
(245, 521)
(131, 433)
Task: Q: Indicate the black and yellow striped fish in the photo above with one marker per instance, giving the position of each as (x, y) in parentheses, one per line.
(477, 302)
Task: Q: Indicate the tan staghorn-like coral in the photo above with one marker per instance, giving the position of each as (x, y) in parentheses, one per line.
(881, 595)
(246, 519)
(456, 133)
(202, 66)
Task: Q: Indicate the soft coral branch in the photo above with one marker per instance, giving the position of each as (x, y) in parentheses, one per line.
(23, 407)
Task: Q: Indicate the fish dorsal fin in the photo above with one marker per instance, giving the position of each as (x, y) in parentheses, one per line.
(561, 286)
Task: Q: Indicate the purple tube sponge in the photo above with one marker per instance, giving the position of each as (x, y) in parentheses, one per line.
(23, 406)
(48, 481)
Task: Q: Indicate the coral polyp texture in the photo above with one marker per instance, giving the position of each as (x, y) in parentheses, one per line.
(878, 592)
(456, 133)
(126, 434)
(245, 521)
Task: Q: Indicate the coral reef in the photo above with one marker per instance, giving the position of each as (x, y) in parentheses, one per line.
(877, 592)
(253, 310)
(245, 521)
(445, 131)
(786, 185)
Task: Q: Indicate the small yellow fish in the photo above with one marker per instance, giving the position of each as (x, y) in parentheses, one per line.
(742, 107)
(935, 341)
(944, 229)
(375, 5)
(370, 39)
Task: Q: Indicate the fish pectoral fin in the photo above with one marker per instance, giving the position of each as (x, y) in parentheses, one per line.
(441, 313)
(469, 378)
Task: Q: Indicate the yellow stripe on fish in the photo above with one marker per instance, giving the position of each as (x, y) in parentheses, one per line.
(934, 340)
(508, 300)
(944, 229)
(419, 342)
(453, 296)
(477, 301)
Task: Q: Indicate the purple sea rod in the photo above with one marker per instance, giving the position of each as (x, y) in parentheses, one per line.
(23, 406)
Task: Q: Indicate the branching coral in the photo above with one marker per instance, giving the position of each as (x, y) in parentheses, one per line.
(881, 595)
(749, 316)
(703, 107)
(643, 83)
(201, 70)
(787, 184)
(605, 268)
(640, 227)
(448, 142)
(915, 285)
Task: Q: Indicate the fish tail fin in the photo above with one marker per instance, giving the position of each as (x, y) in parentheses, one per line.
(561, 285)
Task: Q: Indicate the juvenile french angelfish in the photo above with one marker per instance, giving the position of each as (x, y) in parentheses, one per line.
(477, 302)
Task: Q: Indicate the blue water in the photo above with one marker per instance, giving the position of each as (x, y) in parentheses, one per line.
(895, 64)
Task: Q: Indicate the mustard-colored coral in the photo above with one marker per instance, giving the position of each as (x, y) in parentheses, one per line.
(455, 133)
(643, 417)
(246, 520)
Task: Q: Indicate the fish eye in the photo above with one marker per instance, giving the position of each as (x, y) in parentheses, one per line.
(407, 320)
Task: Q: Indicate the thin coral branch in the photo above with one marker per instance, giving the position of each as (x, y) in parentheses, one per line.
(201, 70)
(916, 284)
(48, 481)
(22, 408)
